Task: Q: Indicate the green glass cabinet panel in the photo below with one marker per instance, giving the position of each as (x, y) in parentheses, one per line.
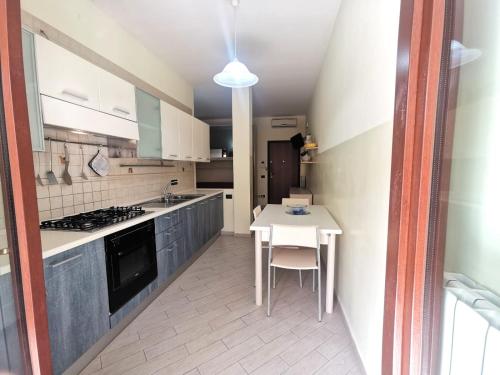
(149, 120)
(32, 93)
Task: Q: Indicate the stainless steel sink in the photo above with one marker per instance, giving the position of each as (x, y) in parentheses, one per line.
(171, 201)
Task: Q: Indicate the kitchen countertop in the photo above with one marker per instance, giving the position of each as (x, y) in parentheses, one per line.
(55, 241)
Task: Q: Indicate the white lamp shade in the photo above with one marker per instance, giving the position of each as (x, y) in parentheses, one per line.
(236, 75)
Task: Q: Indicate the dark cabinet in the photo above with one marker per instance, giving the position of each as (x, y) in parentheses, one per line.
(189, 220)
(216, 214)
(77, 301)
(11, 360)
(183, 232)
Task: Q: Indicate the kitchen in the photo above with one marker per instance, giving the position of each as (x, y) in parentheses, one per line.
(229, 187)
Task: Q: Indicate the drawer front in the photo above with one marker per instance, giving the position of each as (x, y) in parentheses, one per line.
(169, 235)
(172, 255)
(166, 221)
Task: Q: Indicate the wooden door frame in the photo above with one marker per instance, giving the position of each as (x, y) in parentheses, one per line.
(26, 249)
(406, 316)
(269, 164)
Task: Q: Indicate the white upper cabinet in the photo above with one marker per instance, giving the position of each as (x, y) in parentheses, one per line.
(76, 94)
(117, 96)
(201, 141)
(66, 76)
(206, 143)
(170, 134)
(186, 136)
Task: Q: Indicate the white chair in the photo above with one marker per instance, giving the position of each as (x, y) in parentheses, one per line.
(305, 256)
(265, 238)
(294, 201)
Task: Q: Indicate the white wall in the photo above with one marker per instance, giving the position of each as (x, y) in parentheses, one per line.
(85, 23)
(351, 119)
(263, 132)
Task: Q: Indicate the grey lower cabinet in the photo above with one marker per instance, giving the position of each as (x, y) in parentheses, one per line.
(181, 233)
(11, 360)
(77, 302)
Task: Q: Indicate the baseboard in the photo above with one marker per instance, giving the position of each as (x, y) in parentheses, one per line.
(82, 362)
(342, 314)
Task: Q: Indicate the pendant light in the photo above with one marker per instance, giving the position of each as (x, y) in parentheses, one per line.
(235, 74)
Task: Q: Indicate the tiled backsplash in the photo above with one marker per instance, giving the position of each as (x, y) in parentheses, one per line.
(123, 185)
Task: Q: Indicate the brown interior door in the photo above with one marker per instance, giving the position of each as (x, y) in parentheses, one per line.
(283, 169)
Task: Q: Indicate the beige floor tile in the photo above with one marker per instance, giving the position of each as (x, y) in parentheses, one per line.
(334, 345)
(305, 346)
(231, 356)
(123, 365)
(308, 364)
(92, 367)
(206, 322)
(175, 341)
(118, 354)
(267, 352)
(341, 364)
(235, 369)
(209, 338)
(275, 366)
(163, 360)
(282, 327)
(194, 360)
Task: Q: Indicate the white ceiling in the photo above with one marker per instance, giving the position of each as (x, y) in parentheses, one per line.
(282, 41)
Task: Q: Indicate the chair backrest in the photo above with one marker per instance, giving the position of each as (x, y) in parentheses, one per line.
(293, 201)
(256, 212)
(294, 235)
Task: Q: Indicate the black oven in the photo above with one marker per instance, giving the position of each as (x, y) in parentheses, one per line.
(130, 262)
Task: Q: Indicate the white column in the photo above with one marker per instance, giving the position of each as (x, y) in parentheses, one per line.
(242, 160)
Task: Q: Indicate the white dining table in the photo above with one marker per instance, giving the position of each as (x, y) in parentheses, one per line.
(318, 216)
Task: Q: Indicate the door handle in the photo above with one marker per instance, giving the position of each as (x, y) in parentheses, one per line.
(121, 110)
(75, 94)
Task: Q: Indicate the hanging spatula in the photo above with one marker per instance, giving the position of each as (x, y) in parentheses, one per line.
(66, 176)
(51, 176)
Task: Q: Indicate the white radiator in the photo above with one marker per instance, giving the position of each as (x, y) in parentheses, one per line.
(470, 342)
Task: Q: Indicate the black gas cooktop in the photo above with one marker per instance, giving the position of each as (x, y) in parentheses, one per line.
(92, 220)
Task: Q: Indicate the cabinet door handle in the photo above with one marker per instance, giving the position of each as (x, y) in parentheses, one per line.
(76, 95)
(199, 158)
(54, 265)
(121, 110)
(188, 157)
(173, 155)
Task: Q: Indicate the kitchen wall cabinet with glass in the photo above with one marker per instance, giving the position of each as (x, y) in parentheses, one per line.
(32, 96)
(87, 98)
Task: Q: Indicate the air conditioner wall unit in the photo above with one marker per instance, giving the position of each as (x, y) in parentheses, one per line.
(284, 122)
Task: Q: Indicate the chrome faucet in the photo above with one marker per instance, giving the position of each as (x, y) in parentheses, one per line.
(167, 194)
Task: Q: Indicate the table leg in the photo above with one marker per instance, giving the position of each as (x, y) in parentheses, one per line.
(258, 268)
(330, 273)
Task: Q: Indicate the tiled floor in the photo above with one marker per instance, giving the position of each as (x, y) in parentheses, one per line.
(206, 322)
